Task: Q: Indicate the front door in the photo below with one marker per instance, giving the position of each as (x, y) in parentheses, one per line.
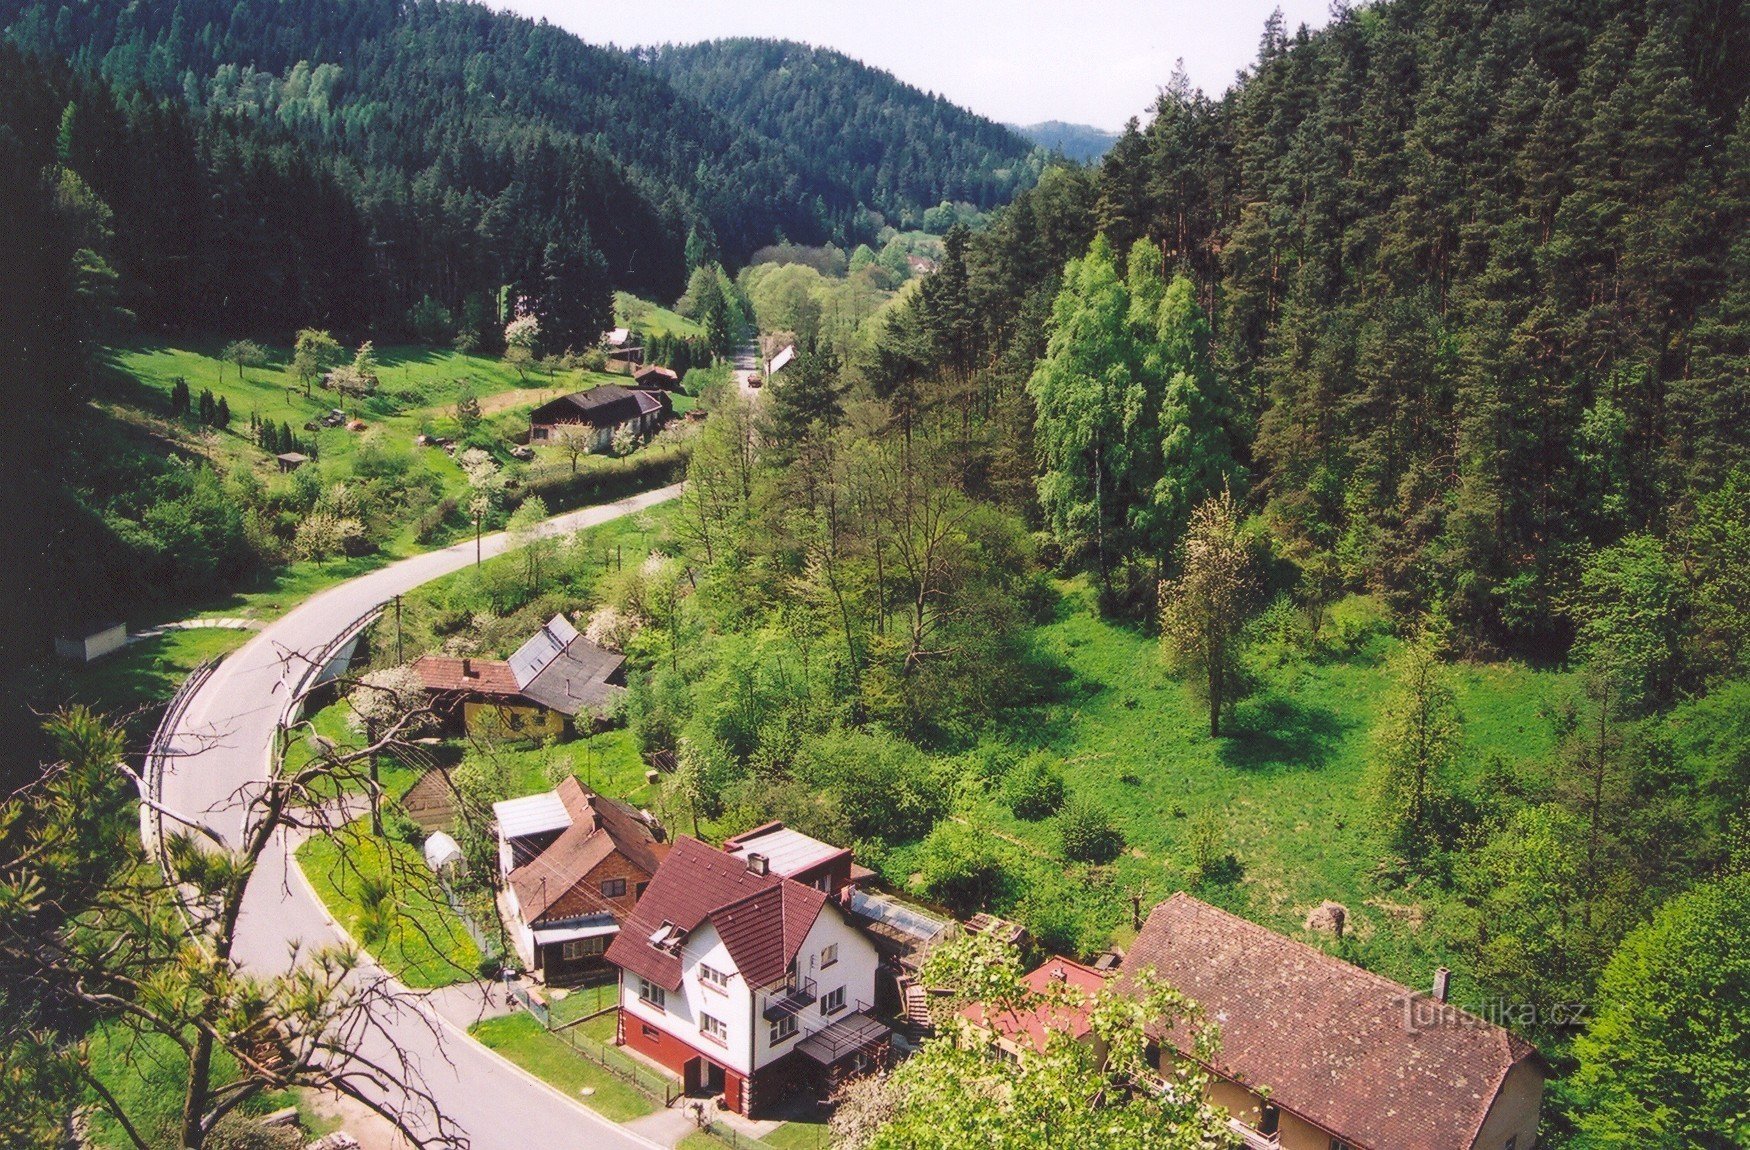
(713, 1078)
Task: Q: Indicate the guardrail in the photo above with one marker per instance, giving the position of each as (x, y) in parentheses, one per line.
(158, 753)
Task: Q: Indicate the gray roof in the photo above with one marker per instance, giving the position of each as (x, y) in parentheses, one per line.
(542, 648)
(531, 815)
(565, 672)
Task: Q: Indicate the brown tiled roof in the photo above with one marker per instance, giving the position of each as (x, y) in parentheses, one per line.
(1331, 1042)
(484, 676)
(551, 886)
(762, 919)
(1072, 1018)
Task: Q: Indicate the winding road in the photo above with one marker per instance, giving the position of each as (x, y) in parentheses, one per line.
(223, 742)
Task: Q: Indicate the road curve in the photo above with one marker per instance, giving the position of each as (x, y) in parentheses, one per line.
(222, 744)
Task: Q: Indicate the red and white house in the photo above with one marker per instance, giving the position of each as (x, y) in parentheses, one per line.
(744, 980)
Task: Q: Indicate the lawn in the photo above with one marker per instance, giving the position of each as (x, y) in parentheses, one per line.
(522, 1040)
(147, 671)
(1288, 780)
(800, 1136)
(570, 1005)
(630, 311)
(382, 893)
(146, 1072)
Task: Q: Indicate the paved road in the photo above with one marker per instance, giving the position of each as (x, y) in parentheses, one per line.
(747, 365)
(223, 743)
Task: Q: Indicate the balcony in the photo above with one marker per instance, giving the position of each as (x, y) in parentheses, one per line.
(1252, 1139)
(789, 998)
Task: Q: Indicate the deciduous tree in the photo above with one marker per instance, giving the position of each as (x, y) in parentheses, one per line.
(1204, 610)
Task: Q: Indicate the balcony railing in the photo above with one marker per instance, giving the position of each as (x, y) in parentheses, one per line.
(789, 998)
(1253, 1139)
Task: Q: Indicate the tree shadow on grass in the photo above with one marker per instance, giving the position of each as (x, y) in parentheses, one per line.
(1275, 732)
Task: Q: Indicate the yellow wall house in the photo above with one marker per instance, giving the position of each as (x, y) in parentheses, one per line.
(1318, 1054)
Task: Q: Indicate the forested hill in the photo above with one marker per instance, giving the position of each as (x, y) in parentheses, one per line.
(900, 149)
(1479, 279)
(450, 112)
(1082, 143)
(456, 149)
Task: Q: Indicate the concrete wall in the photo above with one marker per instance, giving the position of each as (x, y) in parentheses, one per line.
(1515, 1112)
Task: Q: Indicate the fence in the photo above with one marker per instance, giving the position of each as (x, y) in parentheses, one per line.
(659, 1086)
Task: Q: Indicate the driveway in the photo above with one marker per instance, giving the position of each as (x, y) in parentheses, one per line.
(223, 743)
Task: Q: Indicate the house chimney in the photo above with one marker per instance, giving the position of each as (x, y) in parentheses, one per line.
(758, 863)
(1442, 984)
(467, 667)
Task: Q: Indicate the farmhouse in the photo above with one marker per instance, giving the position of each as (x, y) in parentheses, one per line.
(655, 376)
(744, 981)
(782, 360)
(623, 346)
(601, 411)
(1318, 1054)
(553, 677)
(573, 864)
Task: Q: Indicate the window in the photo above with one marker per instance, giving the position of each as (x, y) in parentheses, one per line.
(783, 1027)
(713, 979)
(713, 1027)
(650, 1032)
(614, 888)
(1512, 1143)
(1339, 1144)
(638, 891)
(833, 1001)
(653, 994)
(829, 954)
(582, 948)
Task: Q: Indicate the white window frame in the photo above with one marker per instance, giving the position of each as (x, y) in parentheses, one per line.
(829, 954)
(652, 995)
(576, 948)
(713, 979)
(832, 1001)
(714, 1028)
(784, 1028)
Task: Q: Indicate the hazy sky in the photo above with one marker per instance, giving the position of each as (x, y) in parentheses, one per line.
(1094, 62)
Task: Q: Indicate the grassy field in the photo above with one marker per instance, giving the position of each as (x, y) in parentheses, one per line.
(146, 1074)
(630, 311)
(1288, 781)
(382, 893)
(522, 1040)
(417, 392)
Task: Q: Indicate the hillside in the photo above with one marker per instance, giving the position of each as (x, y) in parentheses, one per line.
(1082, 143)
(901, 150)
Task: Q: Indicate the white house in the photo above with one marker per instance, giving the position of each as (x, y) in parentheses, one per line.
(742, 980)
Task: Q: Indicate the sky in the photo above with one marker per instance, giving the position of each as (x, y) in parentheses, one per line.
(1093, 62)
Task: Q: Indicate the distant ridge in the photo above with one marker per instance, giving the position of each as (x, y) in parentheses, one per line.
(1082, 143)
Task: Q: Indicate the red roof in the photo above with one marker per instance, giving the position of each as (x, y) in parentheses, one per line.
(478, 676)
(1066, 1017)
(551, 885)
(1332, 1042)
(762, 919)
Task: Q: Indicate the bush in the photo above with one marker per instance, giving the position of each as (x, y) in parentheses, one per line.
(962, 869)
(1088, 833)
(1034, 790)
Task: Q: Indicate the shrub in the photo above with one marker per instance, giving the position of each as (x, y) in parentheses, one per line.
(962, 869)
(1034, 790)
(1088, 833)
